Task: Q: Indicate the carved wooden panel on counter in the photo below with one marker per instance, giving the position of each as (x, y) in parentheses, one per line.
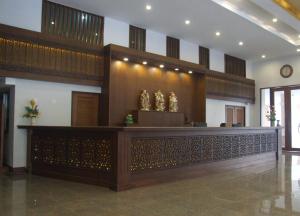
(170, 152)
(76, 151)
(229, 87)
(34, 60)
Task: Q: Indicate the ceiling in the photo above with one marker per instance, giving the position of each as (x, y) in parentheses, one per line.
(250, 23)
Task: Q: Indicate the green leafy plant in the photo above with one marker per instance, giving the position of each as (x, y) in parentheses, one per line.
(271, 113)
(32, 111)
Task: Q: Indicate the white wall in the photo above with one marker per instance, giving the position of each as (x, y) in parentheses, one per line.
(54, 100)
(216, 59)
(267, 74)
(156, 42)
(116, 32)
(23, 14)
(189, 52)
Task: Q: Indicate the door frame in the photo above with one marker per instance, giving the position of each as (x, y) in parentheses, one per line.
(288, 112)
(243, 107)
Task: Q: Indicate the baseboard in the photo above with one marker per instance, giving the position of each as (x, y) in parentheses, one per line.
(17, 170)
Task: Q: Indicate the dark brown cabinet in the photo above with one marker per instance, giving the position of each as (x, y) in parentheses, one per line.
(235, 115)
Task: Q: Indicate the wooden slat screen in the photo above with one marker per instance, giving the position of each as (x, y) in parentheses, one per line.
(37, 61)
(204, 56)
(173, 47)
(137, 38)
(235, 66)
(72, 24)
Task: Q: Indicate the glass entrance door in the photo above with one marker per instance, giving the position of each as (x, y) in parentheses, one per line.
(295, 120)
(279, 105)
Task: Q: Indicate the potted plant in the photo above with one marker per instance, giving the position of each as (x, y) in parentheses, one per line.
(271, 115)
(32, 111)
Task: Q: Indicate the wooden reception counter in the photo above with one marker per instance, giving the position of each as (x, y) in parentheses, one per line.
(126, 157)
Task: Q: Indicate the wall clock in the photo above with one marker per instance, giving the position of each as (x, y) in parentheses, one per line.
(286, 71)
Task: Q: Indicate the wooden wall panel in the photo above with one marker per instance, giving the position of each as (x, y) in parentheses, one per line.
(128, 79)
(204, 56)
(229, 87)
(235, 66)
(173, 47)
(137, 38)
(72, 24)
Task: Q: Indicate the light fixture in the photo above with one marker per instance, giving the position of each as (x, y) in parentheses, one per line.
(298, 50)
(187, 22)
(274, 20)
(83, 17)
(218, 33)
(241, 43)
(148, 7)
(52, 22)
(176, 69)
(126, 59)
(263, 56)
(161, 66)
(190, 72)
(96, 34)
(299, 36)
(144, 62)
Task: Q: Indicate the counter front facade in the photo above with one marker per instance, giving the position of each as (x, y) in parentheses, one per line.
(126, 157)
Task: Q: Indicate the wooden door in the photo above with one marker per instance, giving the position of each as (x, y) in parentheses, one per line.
(2, 116)
(235, 115)
(85, 109)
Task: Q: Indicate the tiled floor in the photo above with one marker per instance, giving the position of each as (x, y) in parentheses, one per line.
(268, 189)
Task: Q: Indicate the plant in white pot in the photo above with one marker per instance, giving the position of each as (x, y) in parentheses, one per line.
(32, 111)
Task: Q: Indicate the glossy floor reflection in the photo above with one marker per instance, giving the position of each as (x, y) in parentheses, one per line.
(261, 190)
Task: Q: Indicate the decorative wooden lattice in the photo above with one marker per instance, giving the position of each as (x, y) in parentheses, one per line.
(170, 152)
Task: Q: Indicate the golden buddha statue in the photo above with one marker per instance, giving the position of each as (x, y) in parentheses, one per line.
(159, 101)
(173, 102)
(145, 101)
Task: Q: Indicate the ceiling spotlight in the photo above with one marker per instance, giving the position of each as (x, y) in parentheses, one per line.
(263, 56)
(176, 69)
(190, 72)
(161, 66)
(96, 34)
(125, 59)
(241, 43)
(274, 20)
(187, 22)
(298, 50)
(83, 17)
(218, 33)
(52, 22)
(144, 62)
(148, 7)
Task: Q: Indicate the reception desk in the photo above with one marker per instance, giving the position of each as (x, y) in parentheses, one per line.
(126, 157)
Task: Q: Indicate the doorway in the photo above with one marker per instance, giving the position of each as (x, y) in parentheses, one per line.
(286, 101)
(235, 115)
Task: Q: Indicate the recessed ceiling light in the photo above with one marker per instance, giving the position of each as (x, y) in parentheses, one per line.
(148, 7)
(241, 43)
(52, 22)
(161, 66)
(83, 17)
(218, 33)
(126, 59)
(299, 36)
(144, 62)
(96, 34)
(190, 72)
(263, 56)
(274, 20)
(187, 22)
(298, 50)
(177, 69)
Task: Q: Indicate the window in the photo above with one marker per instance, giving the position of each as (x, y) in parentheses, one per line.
(235, 66)
(137, 38)
(72, 24)
(204, 56)
(173, 47)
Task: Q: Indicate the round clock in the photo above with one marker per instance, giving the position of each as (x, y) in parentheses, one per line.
(286, 71)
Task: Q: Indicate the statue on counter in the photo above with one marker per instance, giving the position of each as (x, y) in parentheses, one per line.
(145, 101)
(173, 102)
(159, 101)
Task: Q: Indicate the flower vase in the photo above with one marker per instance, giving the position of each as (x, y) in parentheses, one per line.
(33, 121)
(272, 123)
